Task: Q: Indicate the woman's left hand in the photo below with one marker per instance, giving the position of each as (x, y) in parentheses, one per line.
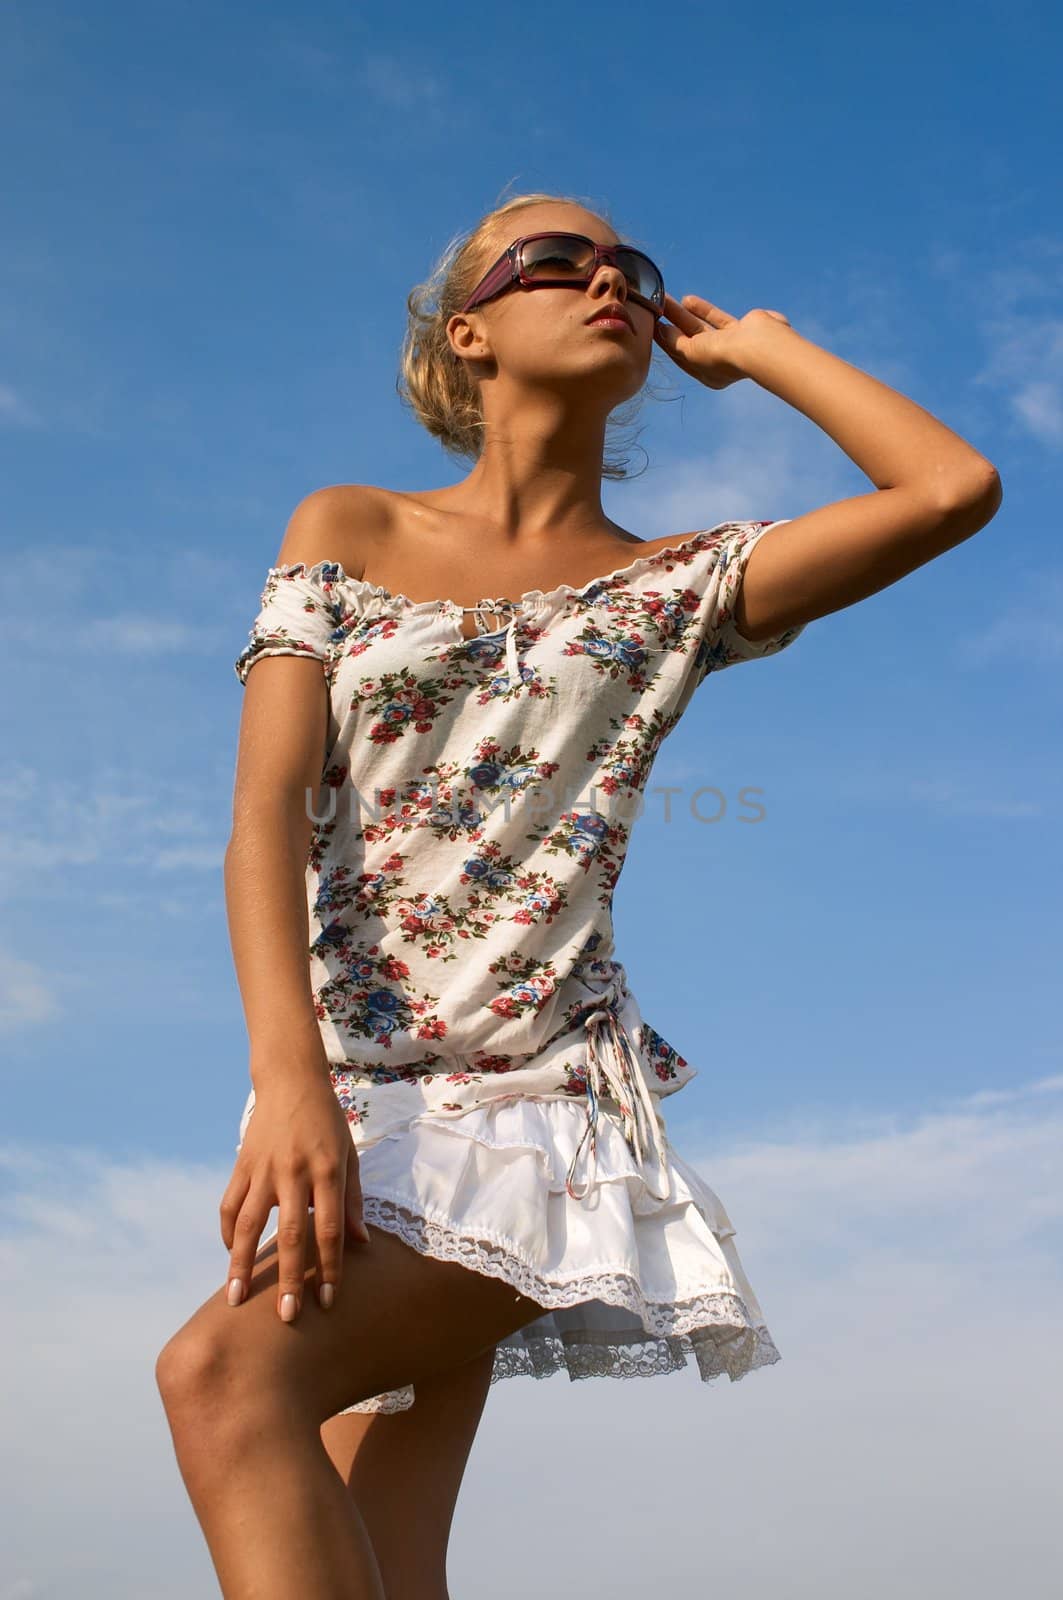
(704, 340)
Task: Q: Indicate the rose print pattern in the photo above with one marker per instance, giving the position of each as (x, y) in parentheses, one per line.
(473, 817)
(472, 826)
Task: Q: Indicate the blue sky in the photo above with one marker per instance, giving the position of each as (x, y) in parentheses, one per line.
(214, 221)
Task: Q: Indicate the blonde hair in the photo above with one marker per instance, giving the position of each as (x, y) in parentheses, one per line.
(432, 381)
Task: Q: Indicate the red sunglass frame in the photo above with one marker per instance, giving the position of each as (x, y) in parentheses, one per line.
(509, 269)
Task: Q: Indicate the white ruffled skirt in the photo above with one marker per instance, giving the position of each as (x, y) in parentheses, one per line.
(634, 1285)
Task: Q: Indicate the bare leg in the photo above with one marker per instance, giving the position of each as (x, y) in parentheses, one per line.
(392, 1461)
(247, 1395)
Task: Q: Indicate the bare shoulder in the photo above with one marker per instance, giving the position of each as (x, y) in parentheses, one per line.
(342, 522)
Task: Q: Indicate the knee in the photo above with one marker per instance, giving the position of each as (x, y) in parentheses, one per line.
(191, 1371)
(215, 1417)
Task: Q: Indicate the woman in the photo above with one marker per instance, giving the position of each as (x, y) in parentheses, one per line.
(465, 687)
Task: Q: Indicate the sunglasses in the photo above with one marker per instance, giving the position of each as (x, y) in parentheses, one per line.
(547, 260)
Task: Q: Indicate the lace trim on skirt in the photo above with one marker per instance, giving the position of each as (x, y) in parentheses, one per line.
(716, 1328)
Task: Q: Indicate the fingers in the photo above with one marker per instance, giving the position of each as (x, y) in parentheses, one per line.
(705, 311)
(329, 1239)
(689, 316)
(292, 1238)
(354, 1198)
(692, 313)
(330, 1227)
(337, 1215)
(670, 338)
(242, 1237)
(231, 1201)
(680, 321)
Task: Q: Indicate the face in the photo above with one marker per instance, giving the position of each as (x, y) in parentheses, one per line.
(543, 336)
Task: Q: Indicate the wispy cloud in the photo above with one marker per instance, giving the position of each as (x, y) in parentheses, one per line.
(1022, 333)
(146, 635)
(27, 995)
(942, 794)
(1029, 628)
(908, 1269)
(398, 84)
(121, 819)
(1026, 362)
(14, 410)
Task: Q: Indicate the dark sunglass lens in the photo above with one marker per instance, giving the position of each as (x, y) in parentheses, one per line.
(641, 274)
(557, 257)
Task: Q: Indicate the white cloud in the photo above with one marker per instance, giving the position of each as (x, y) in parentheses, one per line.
(145, 635)
(968, 793)
(1029, 628)
(397, 84)
(1026, 362)
(14, 410)
(1024, 340)
(51, 820)
(1040, 406)
(26, 993)
(907, 1442)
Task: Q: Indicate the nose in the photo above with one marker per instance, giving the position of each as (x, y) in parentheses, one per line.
(614, 278)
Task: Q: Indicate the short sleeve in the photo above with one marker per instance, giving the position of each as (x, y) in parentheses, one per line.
(722, 645)
(299, 616)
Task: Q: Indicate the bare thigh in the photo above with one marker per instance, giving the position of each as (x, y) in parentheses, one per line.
(399, 1317)
(392, 1461)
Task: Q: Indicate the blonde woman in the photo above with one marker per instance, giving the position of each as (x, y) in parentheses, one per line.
(457, 699)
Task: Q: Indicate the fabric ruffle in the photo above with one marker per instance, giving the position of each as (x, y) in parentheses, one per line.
(633, 1285)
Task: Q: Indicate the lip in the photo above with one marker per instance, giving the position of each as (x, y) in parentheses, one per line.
(613, 312)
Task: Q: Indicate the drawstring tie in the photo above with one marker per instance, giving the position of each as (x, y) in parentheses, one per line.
(483, 610)
(614, 1069)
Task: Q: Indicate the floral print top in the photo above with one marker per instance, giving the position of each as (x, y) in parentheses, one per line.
(473, 817)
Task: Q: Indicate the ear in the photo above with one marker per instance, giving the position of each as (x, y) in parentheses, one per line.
(467, 337)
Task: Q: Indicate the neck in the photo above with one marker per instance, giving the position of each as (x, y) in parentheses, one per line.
(539, 477)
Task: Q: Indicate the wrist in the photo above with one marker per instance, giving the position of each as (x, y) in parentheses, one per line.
(760, 343)
(288, 1054)
(289, 1072)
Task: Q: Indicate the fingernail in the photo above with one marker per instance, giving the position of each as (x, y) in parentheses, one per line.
(287, 1307)
(363, 1232)
(327, 1294)
(236, 1291)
